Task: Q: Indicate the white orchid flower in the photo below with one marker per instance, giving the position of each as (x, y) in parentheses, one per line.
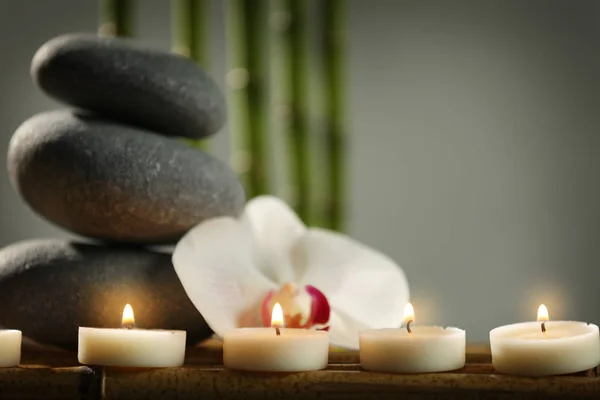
(234, 270)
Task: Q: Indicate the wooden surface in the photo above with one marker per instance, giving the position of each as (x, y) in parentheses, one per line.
(53, 374)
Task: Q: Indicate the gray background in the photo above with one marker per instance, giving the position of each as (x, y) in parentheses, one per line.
(474, 158)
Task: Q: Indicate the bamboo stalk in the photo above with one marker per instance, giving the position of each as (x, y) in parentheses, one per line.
(190, 30)
(247, 80)
(295, 81)
(333, 12)
(116, 18)
(189, 26)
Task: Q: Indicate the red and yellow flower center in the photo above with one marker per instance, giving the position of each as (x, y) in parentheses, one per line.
(303, 307)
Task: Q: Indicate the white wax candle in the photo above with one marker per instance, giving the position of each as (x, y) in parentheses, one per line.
(425, 349)
(10, 347)
(566, 347)
(131, 347)
(261, 349)
(413, 349)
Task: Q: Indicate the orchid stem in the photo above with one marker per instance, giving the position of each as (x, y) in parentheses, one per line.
(189, 31)
(247, 22)
(116, 18)
(333, 12)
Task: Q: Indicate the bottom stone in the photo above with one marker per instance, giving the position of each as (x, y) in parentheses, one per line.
(49, 288)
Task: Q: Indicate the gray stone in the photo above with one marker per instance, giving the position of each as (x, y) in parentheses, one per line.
(155, 90)
(117, 183)
(48, 288)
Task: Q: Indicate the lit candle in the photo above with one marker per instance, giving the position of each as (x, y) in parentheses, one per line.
(414, 349)
(10, 347)
(545, 347)
(276, 348)
(131, 347)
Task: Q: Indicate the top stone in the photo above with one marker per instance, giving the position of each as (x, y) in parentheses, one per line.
(154, 90)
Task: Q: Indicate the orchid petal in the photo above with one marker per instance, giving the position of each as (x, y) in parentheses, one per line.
(276, 229)
(303, 307)
(364, 287)
(320, 308)
(344, 331)
(214, 264)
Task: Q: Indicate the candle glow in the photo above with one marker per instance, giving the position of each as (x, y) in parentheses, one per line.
(409, 313)
(542, 314)
(128, 320)
(409, 316)
(277, 316)
(542, 317)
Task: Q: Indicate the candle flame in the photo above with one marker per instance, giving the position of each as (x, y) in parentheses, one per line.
(409, 313)
(542, 314)
(277, 316)
(128, 320)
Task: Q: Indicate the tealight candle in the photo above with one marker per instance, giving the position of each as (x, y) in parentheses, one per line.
(10, 347)
(131, 347)
(415, 349)
(545, 347)
(275, 348)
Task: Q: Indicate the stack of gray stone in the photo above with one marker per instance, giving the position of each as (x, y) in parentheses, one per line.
(113, 169)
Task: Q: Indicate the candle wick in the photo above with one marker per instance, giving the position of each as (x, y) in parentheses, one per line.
(277, 331)
(544, 327)
(408, 326)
